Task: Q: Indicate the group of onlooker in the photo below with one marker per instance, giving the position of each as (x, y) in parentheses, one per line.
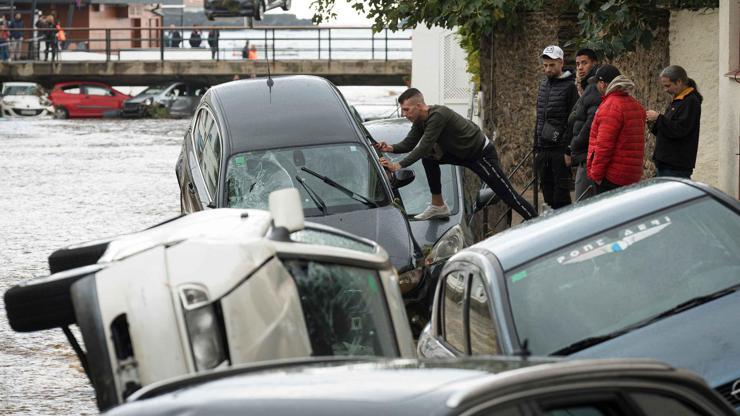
(11, 37)
(590, 120)
(49, 34)
(174, 38)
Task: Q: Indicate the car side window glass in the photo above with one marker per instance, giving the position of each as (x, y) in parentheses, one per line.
(483, 340)
(199, 134)
(211, 157)
(506, 410)
(97, 91)
(452, 311)
(658, 404)
(72, 89)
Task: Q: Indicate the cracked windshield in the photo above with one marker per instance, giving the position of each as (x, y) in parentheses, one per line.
(351, 179)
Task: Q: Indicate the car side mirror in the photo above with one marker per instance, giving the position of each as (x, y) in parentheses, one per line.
(402, 177)
(486, 197)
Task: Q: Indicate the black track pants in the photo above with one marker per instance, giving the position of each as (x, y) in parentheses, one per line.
(487, 168)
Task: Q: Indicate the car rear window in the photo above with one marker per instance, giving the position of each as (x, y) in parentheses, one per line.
(345, 309)
(624, 276)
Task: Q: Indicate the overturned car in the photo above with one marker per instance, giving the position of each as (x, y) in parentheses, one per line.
(215, 289)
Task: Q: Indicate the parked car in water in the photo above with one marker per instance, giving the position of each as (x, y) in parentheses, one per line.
(25, 99)
(86, 99)
(650, 270)
(178, 99)
(491, 386)
(215, 289)
(246, 8)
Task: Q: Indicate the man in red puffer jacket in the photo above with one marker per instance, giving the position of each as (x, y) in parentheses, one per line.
(617, 140)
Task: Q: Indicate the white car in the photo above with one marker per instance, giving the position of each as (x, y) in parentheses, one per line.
(214, 289)
(24, 99)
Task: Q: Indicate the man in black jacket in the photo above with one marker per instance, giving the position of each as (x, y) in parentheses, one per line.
(440, 136)
(580, 119)
(677, 130)
(555, 100)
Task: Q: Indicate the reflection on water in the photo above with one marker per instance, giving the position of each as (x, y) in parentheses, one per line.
(69, 181)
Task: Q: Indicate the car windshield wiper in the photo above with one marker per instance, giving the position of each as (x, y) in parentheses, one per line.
(691, 303)
(341, 188)
(313, 195)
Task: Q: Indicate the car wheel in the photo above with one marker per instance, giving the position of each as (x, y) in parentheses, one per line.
(286, 5)
(260, 12)
(43, 303)
(61, 113)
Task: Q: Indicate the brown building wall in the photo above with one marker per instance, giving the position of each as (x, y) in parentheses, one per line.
(511, 72)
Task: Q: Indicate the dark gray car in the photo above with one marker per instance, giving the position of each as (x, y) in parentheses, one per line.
(178, 99)
(249, 138)
(491, 386)
(650, 270)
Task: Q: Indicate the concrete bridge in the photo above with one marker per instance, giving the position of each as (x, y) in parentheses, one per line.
(340, 72)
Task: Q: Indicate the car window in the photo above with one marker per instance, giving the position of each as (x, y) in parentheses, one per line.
(626, 275)
(345, 309)
(21, 90)
(658, 404)
(452, 310)
(480, 323)
(199, 133)
(251, 176)
(210, 159)
(98, 91)
(71, 89)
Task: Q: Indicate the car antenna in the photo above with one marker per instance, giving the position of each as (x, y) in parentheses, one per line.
(270, 82)
(524, 351)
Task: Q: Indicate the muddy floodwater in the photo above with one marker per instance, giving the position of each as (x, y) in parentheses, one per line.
(69, 181)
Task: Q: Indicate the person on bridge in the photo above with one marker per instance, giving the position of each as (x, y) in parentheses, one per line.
(440, 136)
(174, 37)
(195, 38)
(213, 36)
(252, 52)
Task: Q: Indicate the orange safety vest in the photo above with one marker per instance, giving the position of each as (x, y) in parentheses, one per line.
(61, 36)
(252, 55)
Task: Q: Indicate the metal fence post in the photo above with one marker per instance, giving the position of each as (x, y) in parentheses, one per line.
(386, 44)
(161, 44)
(107, 45)
(318, 31)
(273, 45)
(372, 44)
(329, 44)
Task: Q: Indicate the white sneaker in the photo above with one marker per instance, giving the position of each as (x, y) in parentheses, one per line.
(434, 211)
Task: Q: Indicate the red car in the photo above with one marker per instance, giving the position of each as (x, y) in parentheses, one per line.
(85, 99)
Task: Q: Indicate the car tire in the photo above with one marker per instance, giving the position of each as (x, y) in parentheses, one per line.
(260, 11)
(43, 303)
(286, 5)
(61, 113)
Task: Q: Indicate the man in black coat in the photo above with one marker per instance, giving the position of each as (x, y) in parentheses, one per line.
(677, 130)
(555, 99)
(213, 36)
(581, 118)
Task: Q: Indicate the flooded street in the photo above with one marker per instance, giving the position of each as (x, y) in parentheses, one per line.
(69, 181)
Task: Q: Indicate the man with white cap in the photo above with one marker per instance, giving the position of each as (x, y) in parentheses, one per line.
(555, 99)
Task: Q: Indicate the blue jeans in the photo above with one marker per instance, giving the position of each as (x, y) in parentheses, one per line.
(677, 173)
(4, 52)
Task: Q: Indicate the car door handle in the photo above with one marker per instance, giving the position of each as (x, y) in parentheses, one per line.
(191, 188)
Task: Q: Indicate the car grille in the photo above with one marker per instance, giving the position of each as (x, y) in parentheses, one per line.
(725, 391)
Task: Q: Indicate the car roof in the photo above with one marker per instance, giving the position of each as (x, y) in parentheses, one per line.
(295, 111)
(19, 84)
(546, 233)
(390, 130)
(378, 386)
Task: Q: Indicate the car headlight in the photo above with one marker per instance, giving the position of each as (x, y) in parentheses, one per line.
(449, 244)
(204, 328)
(148, 102)
(410, 279)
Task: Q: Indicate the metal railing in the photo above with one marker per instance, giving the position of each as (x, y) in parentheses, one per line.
(233, 43)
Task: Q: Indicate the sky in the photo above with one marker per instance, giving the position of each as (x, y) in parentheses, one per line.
(346, 16)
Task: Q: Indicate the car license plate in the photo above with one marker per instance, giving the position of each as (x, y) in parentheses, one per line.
(28, 112)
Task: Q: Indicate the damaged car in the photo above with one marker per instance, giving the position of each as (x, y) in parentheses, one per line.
(212, 290)
(24, 99)
(178, 99)
(650, 271)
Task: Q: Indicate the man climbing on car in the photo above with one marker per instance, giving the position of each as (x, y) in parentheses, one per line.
(440, 136)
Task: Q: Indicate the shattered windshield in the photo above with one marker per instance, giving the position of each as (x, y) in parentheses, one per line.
(345, 309)
(251, 176)
(626, 275)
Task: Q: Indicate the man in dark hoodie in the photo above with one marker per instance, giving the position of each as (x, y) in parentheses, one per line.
(580, 119)
(677, 130)
(555, 100)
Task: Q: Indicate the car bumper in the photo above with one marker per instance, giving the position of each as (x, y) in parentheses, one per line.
(10, 111)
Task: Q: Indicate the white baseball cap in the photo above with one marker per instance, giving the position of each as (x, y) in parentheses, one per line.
(553, 52)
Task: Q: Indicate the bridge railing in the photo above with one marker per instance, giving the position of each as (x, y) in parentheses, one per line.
(233, 43)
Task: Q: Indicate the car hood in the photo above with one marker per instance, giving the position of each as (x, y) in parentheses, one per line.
(427, 233)
(703, 339)
(23, 100)
(385, 225)
(140, 98)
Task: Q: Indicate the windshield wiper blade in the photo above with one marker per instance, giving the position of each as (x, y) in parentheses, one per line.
(341, 188)
(699, 300)
(313, 195)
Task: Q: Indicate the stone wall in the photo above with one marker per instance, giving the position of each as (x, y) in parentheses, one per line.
(511, 72)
